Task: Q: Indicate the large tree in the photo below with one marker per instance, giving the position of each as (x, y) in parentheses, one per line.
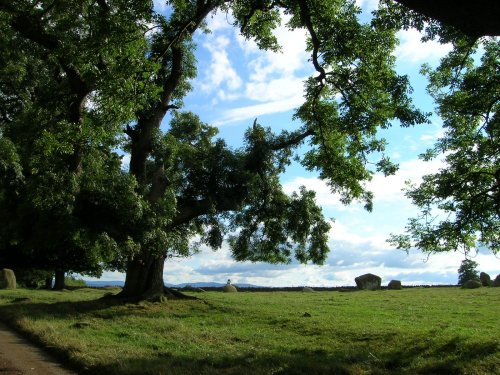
(99, 74)
(61, 64)
(460, 204)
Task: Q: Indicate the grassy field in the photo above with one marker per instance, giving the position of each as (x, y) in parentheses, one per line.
(412, 331)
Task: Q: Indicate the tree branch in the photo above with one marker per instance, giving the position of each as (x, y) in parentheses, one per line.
(292, 141)
(190, 209)
(474, 18)
(305, 16)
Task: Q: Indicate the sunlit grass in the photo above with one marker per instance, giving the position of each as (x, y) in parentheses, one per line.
(412, 331)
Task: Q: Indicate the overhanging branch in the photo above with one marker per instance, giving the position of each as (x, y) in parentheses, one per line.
(474, 18)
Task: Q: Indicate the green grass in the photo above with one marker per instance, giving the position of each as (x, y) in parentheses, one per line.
(413, 331)
(74, 282)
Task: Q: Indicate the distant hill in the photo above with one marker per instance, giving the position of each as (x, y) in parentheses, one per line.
(212, 285)
(103, 283)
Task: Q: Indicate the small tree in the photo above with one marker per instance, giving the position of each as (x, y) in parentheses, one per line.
(467, 271)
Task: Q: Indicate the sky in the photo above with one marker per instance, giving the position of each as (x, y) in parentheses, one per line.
(237, 83)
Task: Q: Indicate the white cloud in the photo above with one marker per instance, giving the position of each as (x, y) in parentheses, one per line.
(256, 110)
(275, 78)
(367, 5)
(278, 89)
(430, 138)
(220, 73)
(291, 58)
(412, 49)
(386, 189)
(219, 21)
(389, 189)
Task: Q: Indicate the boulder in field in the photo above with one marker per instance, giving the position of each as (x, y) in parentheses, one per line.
(485, 279)
(496, 282)
(228, 288)
(394, 285)
(7, 279)
(368, 281)
(472, 284)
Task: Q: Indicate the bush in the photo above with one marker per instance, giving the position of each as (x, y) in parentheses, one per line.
(31, 278)
(467, 271)
(73, 281)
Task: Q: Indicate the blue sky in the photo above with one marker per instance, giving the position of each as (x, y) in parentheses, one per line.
(238, 83)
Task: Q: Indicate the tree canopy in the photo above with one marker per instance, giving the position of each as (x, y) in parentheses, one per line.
(473, 18)
(460, 204)
(83, 81)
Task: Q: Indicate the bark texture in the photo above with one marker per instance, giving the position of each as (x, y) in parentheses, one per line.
(144, 278)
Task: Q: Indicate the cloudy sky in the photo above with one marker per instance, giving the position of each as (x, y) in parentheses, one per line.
(238, 83)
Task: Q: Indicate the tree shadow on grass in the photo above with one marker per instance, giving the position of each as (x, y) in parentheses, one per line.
(453, 357)
(416, 355)
(15, 312)
(23, 307)
(101, 308)
(311, 362)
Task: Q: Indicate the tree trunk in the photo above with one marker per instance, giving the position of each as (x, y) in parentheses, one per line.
(144, 278)
(59, 280)
(48, 283)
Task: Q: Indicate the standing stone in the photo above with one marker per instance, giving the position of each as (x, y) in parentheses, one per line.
(497, 281)
(395, 285)
(485, 279)
(472, 284)
(7, 279)
(368, 281)
(228, 288)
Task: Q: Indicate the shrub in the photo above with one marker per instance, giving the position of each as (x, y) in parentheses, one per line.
(467, 271)
(32, 278)
(73, 281)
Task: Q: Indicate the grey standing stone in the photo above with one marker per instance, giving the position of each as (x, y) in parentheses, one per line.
(472, 284)
(395, 285)
(368, 281)
(7, 279)
(496, 282)
(485, 279)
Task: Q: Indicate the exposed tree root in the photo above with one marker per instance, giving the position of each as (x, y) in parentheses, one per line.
(167, 294)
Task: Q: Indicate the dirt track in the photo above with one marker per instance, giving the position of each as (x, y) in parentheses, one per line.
(18, 357)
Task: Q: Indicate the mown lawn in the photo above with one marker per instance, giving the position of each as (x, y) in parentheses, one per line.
(413, 331)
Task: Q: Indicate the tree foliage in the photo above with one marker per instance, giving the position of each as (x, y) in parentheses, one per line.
(83, 81)
(460, 204)
(467, 271)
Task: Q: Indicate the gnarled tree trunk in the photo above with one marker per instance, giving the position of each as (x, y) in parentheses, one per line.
(144, 278)
(59, 280)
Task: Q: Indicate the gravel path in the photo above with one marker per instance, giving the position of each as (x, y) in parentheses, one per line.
(19, 357)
